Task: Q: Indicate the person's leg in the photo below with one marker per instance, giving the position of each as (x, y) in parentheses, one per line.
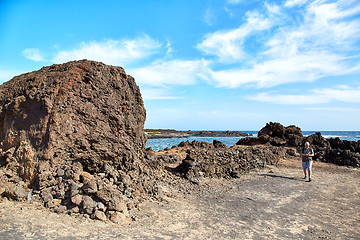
(304, 166)
(309, 170)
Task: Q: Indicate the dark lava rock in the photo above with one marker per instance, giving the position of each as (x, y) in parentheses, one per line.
(81, 111)
(225, 162)
(276, 135)
(218, 144)
(250, 141)
(272, 129)
(70, 129)
(331, 150)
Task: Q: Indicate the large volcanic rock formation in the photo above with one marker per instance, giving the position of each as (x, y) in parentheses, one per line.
(80, 111)
(73, 129)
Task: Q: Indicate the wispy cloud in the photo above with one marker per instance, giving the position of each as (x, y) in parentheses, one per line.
(319, 41)
(33, 54)
(116, 52)
(174, 72)
(228, 45)
(209, 17)
(292, 3)
(342, 93)
(158, 94)
(303, 67)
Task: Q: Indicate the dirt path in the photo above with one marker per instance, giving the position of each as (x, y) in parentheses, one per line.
(274, 203)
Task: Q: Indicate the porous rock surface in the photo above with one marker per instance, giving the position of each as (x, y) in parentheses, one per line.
(276, 135)
(71, 136)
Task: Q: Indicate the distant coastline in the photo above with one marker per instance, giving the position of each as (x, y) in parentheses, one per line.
(159, 140)
(171, 133)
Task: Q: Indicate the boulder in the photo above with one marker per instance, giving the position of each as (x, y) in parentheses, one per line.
(218, 144)
(80, 111)
(276, 135)
(272, 129)
(71, 132)
(13, 191)
(112, 199)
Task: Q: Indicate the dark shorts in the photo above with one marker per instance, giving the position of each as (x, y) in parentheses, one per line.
(307, 165)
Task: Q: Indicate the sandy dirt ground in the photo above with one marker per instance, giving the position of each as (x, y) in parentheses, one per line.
(273, 203)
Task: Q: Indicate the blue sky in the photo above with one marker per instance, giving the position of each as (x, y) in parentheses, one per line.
(204, 64)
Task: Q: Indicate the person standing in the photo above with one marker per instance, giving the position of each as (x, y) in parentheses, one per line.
(307, 153)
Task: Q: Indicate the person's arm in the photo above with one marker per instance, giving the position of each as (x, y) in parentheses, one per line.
(302, 153)
(307, 155)
(312, 153)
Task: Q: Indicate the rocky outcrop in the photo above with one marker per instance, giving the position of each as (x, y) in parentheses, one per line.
(74, 134)
(336, 151)
(198, 160)
(276, 135)
(343, 152)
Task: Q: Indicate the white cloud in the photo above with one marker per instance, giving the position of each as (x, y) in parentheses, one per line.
(292, 3)
(174, 72)
(317, 96)
(157, 94)
(228, 45)
(299, 68)
(33, 54)
(115, 52)
(318, 42)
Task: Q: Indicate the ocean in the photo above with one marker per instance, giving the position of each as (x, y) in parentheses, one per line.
(162, 143)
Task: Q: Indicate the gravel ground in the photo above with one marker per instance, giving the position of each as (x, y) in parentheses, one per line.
(273, 203)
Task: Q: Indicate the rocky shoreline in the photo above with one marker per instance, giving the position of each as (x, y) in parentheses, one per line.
(72, 140)
(171, 133)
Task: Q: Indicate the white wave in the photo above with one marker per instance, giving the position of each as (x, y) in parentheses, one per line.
(334, 136)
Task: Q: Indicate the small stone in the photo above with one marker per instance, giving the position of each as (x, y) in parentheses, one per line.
(85, 176)
(74, 210)
(56, 202)
(88, 204)
(60, 209)
(69, 174)
(101, 175)
(99, 215)
(60, 194)
(100, 206)
(46, 196)
(77, 199)
(74, 189)
(90, 187)
(125, 179)
(60, 172)
(117, 217)
(49, 204)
